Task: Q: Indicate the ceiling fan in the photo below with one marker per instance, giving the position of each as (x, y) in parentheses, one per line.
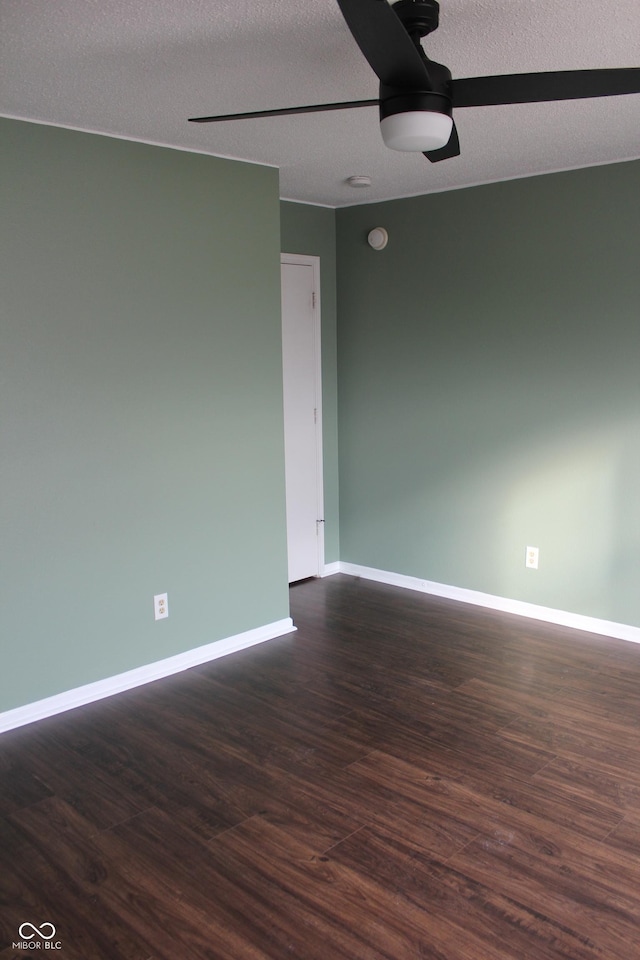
(418, 95)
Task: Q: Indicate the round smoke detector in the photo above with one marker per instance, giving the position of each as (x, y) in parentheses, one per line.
(359, 180)
(378, 238)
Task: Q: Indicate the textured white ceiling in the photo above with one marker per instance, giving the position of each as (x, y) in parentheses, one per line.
(139, 68)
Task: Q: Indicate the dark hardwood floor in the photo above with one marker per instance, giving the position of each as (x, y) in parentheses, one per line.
(405, 778)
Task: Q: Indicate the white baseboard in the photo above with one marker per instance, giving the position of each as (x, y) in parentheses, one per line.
(29, 713)
(577, 621)
(100, 689)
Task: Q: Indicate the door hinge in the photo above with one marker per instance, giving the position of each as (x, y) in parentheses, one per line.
(313, 300)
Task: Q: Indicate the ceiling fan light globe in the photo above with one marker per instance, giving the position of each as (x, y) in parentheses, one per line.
(416, 131)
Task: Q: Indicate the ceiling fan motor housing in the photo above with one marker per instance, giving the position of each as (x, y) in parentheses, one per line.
(418, 120)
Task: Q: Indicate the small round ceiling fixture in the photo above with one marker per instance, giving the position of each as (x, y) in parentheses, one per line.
(378, 238)
(360, 180)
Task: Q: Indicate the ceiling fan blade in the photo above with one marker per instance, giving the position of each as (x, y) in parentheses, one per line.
(539, 87)
(385, 43)
(287, 111)
(450, 149)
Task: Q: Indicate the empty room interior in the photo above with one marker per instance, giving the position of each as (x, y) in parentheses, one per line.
(425, 746)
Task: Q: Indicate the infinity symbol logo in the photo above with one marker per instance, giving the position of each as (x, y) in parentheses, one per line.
(39, 931)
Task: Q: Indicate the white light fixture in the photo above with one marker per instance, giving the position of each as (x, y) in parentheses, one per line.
(378, 238)
(416, 130)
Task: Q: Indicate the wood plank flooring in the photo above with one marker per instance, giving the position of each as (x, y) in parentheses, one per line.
(403, 778)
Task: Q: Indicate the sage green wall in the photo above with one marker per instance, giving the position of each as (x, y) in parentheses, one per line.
(489, 389)
(142, 446)
(311, 230)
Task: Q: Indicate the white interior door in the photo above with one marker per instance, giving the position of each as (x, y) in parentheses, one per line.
(302, 414)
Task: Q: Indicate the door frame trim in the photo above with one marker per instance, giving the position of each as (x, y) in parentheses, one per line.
(314, 263)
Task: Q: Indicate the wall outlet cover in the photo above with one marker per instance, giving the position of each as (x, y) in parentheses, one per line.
(532, 557)
(161, 606)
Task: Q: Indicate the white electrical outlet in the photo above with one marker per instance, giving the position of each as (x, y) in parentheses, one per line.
(532, 556)
(161, 606)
